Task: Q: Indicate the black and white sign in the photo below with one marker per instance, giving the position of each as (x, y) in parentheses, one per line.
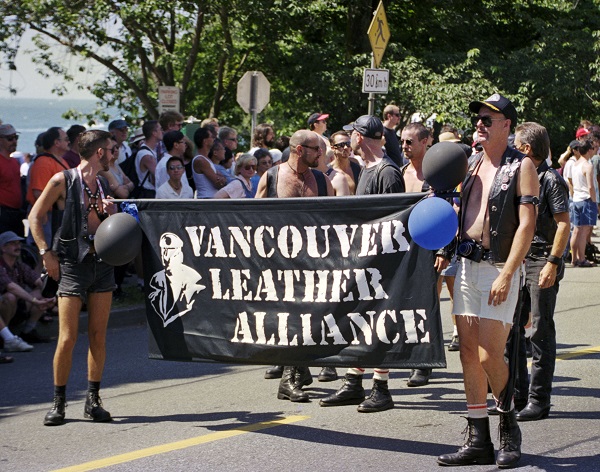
(319, 281)
(376, 81)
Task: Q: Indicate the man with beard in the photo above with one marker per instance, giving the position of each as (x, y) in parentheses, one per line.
(297, 177)
(81, 275)
(264, 137)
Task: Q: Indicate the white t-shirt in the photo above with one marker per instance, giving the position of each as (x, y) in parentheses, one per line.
(165, 191)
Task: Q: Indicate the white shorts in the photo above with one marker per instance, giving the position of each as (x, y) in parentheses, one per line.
(472, 291)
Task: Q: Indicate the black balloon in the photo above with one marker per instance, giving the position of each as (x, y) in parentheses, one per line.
(118, 239)
(445, 166)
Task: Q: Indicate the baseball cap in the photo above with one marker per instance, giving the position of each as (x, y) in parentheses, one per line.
(368, 125)
(7, 130)
(575, 144)
(448, 136)
(497, 103)
(8, 237)
(117, 124)
(317, 117)
(581, 132)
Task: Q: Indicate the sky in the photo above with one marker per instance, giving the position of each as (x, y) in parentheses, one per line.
(30, 84)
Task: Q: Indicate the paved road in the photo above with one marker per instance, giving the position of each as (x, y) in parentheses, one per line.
(212, 417)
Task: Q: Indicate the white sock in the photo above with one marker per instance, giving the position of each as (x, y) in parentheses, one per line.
(6, 334)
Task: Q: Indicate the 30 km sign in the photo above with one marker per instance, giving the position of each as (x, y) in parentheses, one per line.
(376, 81)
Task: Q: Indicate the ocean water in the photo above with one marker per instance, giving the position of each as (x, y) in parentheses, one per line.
(32, 116)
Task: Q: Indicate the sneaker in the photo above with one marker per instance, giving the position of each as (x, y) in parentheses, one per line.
(454, 344)
(16, 344)
(34, 337)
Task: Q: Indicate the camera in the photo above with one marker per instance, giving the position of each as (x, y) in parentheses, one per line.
(469, 249)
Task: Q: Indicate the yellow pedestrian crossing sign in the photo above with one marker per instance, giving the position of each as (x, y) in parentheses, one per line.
(379, 34)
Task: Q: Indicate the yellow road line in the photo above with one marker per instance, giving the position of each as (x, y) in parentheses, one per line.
(579, 353)
(174, 446)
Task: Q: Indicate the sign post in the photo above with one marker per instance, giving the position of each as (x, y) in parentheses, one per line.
(379, 36)
(253, 94)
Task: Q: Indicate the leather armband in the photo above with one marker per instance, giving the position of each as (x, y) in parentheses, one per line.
(525, 199)
(554, 260)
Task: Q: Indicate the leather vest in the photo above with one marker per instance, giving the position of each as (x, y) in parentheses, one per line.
(503, 202)
(72, 241)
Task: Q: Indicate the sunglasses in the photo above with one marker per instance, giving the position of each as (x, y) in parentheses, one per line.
(487, 121)
(14, 137)
(175, 167)
(341, 145)
(314, 148)
(408, 142)
(249, 167)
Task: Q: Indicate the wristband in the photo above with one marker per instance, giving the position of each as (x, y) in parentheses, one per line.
(553, 259)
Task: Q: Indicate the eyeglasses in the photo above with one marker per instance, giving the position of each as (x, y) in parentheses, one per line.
(408, 142)
(487, 121)
(314, 148)
(175, 167)
(179, 125)
(341, 145)
(396, 114)
(112, 150)
(249, 167)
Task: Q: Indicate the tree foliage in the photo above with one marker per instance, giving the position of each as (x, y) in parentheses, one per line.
(543, 54)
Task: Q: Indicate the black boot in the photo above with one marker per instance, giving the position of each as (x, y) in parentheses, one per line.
(303, 377)
(288, 388)
(56, 416)
(477, 450)
(509, 451)
(327, 374)
(380, 398)
(274, 372)
(350, 393)
(93, 409)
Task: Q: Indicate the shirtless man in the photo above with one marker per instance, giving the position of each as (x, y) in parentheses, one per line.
(297, 177)
(338, 179)
(81, 275)
(414, 145)
(342, 164)
(497, 224)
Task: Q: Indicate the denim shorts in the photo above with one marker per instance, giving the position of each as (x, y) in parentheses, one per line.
(472, 289)
(452, 268)
(585, 213)
(89, 276)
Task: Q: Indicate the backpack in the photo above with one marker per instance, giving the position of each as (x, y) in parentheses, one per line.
(128, 168)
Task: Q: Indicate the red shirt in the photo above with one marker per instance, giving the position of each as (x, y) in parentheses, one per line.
(10, 182)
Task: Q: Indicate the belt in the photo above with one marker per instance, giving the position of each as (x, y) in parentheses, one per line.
(539, 251)
(487, 255)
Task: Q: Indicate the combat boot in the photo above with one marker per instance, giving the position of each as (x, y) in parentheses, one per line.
(289, 389)
(379, 399)
(303, 377)
(274, 372)
(350, 393)
(94, 410)
(477, 450)
(509, 451)
(56, 416)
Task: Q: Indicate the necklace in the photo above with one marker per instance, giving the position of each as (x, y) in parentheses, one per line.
(177, 189)
(299, 174)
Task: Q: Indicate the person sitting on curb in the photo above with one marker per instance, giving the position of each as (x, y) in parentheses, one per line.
(21, 288)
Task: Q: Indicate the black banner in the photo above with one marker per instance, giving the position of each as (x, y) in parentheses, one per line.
(299, 281)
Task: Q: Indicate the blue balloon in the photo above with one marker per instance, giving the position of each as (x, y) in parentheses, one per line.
(432, 223)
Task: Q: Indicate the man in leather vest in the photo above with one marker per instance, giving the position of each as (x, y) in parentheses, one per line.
(297, 177)
(544, 268)
(72, 261)
(497, 224)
